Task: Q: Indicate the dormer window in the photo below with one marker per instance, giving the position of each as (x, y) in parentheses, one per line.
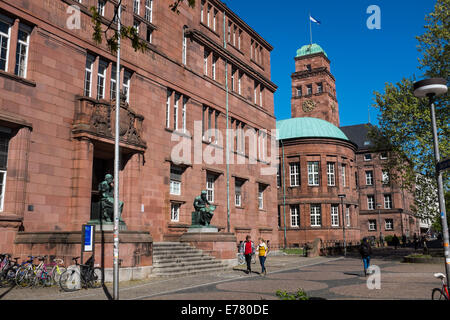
(308, 67)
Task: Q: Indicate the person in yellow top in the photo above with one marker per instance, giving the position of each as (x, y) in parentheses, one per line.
(262, 250)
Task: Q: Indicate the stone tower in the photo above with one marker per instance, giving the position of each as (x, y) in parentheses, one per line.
(313, 86)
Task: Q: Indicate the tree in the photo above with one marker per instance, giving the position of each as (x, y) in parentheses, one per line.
(129, 32)
(405, 121)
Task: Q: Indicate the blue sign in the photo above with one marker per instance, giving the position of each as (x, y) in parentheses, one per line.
(88, 237)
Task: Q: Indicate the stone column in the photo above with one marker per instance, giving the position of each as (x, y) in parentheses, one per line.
(81, 184)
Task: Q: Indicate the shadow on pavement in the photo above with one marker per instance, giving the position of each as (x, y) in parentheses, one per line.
(7, 291)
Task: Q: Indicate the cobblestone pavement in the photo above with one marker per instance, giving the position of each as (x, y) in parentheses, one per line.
(335, 278)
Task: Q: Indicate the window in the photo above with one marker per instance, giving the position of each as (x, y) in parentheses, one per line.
(334, 215)
(367, 157)
(214, 62)
(175, 179)
(208, 15)
(343, 169)
(309, 89)
(319, 87)
(356, 178)
(313, 173)
(383, 155)
(308, 67)
(149, 34)
(113, 82)
(216, 126)
(295, 216)
(261, 196)
(136, 25)
(370, 202)
(299, 91)
(330, 174)
(175, 212)
(4, 44)
(202, 10)
(101, 7)
(255, 88)
(101, 78)
(126, 84)
(369, 178)
(294, 169)
(183, 113)
(88, 75)
(385, 177)
(233, 80)
(210, 180)
(4, 142)
(215, 19)
(238, 192)
(22, 54)
(316, 220)
(261, 89)
(387, 201)
(262, 142)
(389, 224)
(184, 52)
(372, 225)
(347, 215)
(169, 96)
(175, 111)
(136, 5)
(240, 83)
(148, 10)
(205, 62)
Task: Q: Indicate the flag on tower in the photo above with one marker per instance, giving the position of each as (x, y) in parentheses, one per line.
(314, 20)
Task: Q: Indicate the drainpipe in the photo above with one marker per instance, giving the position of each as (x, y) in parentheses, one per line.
(284, 195)
(227, 151)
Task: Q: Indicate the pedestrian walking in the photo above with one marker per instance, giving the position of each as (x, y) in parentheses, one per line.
(403, 241)
(416, 242)
(366, 251)
(262, 250)
(248, 249)
(395, 241)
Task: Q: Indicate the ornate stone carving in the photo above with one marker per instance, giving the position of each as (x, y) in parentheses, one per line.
(97, 119)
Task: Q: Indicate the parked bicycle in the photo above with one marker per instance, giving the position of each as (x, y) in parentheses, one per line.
(440, 293)
(8, 270)
(25, 272)
(57, 270)
(81, 276)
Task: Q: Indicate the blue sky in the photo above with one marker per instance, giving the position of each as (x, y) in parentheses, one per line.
(362, 60)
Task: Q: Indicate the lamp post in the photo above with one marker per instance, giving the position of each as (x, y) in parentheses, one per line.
(431, 88)
(379, 223)
(342, 196)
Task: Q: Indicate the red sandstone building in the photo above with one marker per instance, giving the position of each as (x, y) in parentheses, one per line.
(57, 115)
(329, 179)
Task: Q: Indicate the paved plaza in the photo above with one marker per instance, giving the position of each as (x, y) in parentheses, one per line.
(331, 278)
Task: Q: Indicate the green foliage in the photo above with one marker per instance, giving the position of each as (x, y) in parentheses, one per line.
(299, 295)
(405, 121)
(388, 238)
(111, 34)
(293, 251)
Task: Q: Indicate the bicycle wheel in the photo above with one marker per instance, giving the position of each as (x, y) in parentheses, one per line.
(23, 277)
(56, 273)
(97, 278)
(70, 280)
(437, 294)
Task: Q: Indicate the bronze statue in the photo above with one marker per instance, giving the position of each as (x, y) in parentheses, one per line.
(106, 189)
(203, 209)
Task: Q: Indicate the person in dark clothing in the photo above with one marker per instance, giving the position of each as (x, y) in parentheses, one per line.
(248, 249)
(403, 240)
(416, 241)
(366, 251)
(395, 241)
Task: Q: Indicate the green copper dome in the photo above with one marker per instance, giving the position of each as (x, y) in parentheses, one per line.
(306, 127)
(310, 49)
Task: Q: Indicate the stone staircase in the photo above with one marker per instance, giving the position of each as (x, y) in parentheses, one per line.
(174, 259)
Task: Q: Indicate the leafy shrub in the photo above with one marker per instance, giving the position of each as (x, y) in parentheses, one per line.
(299, 295)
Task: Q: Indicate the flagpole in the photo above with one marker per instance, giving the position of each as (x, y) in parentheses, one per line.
(310, 29)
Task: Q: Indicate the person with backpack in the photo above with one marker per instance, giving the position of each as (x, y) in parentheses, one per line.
(248, 249)
(366, 251)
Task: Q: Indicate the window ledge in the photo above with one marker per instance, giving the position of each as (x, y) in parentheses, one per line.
(12, 76)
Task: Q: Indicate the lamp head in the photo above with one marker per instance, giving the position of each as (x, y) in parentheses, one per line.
(432, 86)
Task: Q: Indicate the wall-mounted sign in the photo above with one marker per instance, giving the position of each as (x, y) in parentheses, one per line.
(89, 235)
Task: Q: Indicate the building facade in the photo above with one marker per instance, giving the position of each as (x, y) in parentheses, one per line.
(57, 109)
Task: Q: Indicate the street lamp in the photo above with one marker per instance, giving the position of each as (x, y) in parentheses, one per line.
(342, 196)
(431, 88)
(379, 223)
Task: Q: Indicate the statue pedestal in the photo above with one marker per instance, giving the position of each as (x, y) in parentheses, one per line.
(222, 246)
(101, 225)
